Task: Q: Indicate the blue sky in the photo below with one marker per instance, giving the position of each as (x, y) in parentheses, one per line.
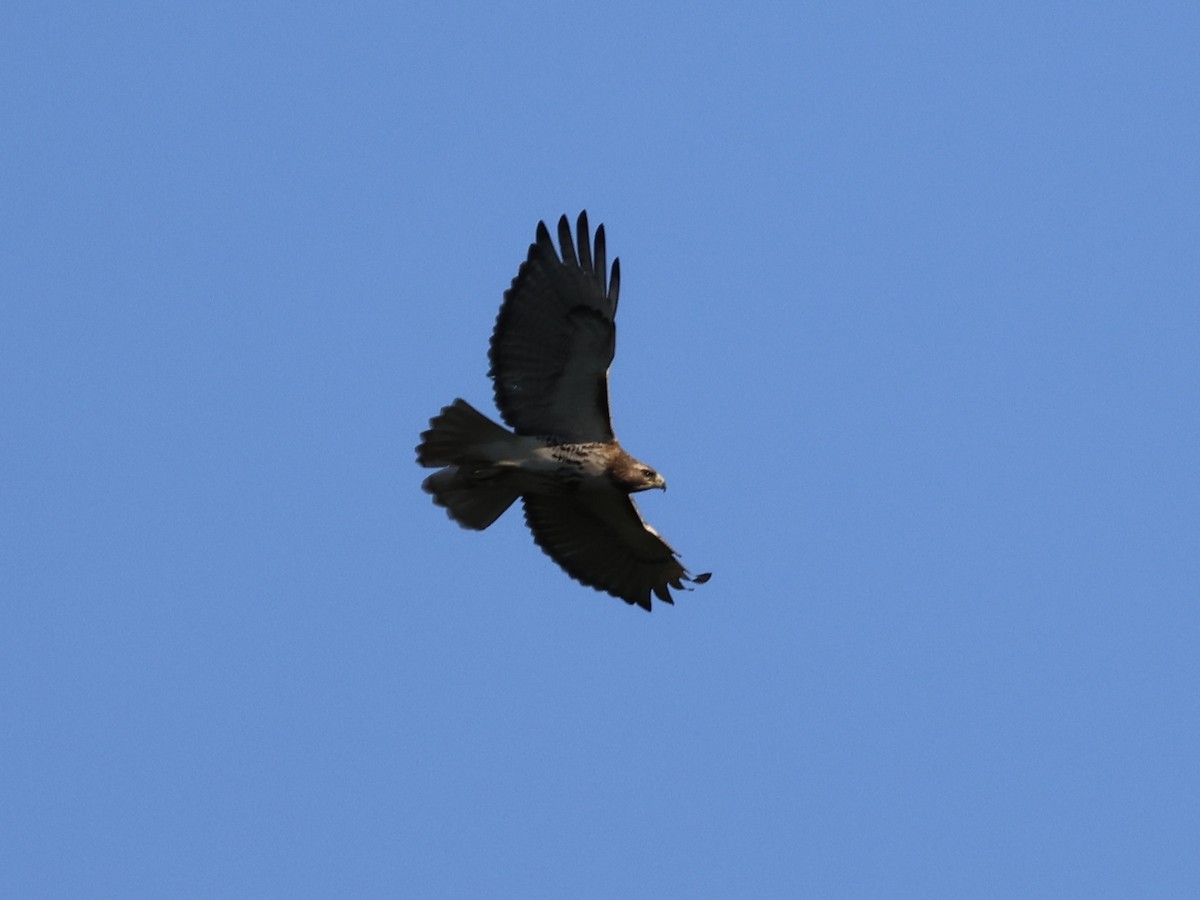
(910, 321)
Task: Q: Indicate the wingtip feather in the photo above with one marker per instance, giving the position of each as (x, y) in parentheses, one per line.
(543, 240)
(614, 284)
(584, 242)
(567, 242)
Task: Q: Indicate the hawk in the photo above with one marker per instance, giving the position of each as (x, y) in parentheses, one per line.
(550, 352)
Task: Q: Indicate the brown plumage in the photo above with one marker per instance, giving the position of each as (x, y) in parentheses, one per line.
(550, 352)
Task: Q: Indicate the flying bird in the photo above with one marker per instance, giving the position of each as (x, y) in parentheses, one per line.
(550, 352)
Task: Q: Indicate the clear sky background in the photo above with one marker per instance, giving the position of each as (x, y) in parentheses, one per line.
(910, 321)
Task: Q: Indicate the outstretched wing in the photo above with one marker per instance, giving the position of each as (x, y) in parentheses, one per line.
(555, 337)
(600, 539)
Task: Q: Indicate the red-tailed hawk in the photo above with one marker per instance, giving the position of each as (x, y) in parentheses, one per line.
(551, 349)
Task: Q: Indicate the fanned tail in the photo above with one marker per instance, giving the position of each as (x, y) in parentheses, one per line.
(465, 441)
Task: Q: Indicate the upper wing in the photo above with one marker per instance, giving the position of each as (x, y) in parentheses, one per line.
(600, 540)
(555, 337)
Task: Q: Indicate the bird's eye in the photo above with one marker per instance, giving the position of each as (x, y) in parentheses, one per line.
(649, 473)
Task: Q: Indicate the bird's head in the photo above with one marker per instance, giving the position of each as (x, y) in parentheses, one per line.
(632, 475)
(646, 478)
